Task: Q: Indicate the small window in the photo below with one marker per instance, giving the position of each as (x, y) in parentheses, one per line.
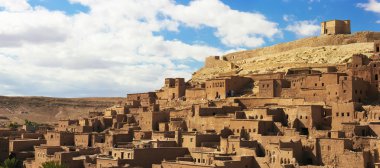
(348, 114)
(376, 77)
(374, 65)
(344, 91)
(316, 84)
(237, 130)
(337, 114)
(342, 114)
(323, 84)
(300, 117)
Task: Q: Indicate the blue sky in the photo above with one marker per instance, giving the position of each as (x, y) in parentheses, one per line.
(274, 10)
(81, 48)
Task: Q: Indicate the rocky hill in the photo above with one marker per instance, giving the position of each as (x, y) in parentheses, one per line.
(47, 109)
(312, 52)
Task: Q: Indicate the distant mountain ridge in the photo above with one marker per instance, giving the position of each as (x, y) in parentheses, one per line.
(49, 109)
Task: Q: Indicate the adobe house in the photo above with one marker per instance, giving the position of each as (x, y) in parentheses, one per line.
(53, 153)
(174, 88)
(209, 159)
(376, 46)
(59, 138)
(141, 96)
(63, 125)
(196, 139)
(223, 87)
(236, 145)
(305, 117)
(116, 138)
(40, 155)
(272, 87)
(248, 128)
(83, 139)
(23, 148)
(149, 121)
(334, 27)
(339, 152)
(284, 153)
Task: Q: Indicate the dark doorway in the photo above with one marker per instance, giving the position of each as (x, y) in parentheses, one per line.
(304, 131)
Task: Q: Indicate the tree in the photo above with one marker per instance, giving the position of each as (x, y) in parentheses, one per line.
(14, 125)
(53, 164)
(11, 163)
(32, 125)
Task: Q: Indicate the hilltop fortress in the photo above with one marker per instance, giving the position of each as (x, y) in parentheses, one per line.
(325, 115)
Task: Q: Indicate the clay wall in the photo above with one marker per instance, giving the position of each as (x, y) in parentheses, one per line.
(20, 145)
(260, 102)
(328, 150)
(195, 94)
(4, 148)
(83, 140)
(142, 135)
(212, 111)
(216, 123)
(192, 140)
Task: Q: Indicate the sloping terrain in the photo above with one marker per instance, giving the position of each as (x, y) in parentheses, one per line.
(46, 109)
(307, 52)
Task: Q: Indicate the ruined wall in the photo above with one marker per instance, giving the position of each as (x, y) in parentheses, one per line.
(359, 37)
(216, 61)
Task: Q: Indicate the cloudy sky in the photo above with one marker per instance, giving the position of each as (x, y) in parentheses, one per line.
(82, 48)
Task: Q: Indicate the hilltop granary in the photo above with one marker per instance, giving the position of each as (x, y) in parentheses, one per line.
(334, 27)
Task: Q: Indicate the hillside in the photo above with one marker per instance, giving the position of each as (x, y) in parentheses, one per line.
(312, 51)
(47, 109)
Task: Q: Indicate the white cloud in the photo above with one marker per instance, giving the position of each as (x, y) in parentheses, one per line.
(378, 22)
(234, 28)
(372, 6)
(112, 49)
(14, 5)
(304, 28)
